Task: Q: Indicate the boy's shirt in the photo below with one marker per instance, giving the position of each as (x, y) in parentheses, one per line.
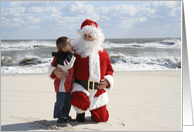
(65, 61)
(61, 57)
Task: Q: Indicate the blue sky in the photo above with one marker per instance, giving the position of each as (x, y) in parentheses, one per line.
(117, 19)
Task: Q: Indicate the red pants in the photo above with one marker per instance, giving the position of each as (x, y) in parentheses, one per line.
(81, 101)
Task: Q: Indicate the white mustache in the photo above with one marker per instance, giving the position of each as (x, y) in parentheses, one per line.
(85, 48)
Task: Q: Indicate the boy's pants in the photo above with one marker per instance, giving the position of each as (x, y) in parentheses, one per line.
(62, 104)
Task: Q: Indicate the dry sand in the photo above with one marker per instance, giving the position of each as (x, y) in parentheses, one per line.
(139, 101)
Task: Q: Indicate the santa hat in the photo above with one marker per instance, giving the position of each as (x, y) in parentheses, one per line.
(89, 22)
(90, 27)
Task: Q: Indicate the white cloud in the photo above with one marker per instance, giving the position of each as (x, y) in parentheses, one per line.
(40, 10)
(129, 23)
(76, 8)
(145, 10)
(103, 10)
(50, 9)
(128, 9)
(31, 3)
(68, 15)
(157, 3)
(94, 17)
(12, 12)
(170, 4)
(175, 11)
(23, 17)
(81, 7)
(106, 18)
(142, 19)
(118, 10)
(160, 8)
(32, 20)
(34, 9)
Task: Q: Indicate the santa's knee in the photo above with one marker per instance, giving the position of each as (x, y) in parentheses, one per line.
(80, 100)
(100, 114)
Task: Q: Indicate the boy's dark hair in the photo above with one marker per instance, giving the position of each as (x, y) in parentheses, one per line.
(61, 42)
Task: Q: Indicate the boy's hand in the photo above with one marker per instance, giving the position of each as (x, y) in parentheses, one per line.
(103, 84)
(59, 73)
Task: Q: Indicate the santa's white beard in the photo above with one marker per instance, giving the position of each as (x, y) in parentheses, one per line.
(85, 48)
(89, 49)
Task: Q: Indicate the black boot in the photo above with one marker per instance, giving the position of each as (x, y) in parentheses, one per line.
(80, 117)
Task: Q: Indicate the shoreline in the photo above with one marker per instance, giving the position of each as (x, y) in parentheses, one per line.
(113, 72)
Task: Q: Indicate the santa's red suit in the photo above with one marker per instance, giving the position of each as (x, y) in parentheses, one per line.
(92, 65)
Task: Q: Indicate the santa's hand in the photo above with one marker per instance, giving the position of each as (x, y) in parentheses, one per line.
(103, 84)
(59, 73)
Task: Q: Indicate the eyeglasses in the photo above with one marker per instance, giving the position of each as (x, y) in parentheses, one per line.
(85, 35)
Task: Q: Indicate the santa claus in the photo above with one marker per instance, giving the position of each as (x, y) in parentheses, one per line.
(93, 73)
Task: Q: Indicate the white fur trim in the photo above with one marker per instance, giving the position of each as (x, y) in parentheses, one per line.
(65, 68)
(62, 86)
(79, 111)
(70, 65)
(95, 102)
(94, 67)
(110, 79)
(50, 70)
(77, 87)
(99, 101)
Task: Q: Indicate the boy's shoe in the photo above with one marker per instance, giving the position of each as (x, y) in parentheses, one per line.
(65, 120)
(61, 120)
(69, 119)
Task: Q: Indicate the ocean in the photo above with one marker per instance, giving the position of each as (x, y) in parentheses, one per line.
(133, 54)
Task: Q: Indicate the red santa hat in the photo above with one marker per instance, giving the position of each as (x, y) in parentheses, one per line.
(89, 22)
(91, 27)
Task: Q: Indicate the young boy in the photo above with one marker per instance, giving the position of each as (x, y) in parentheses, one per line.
(63, 60)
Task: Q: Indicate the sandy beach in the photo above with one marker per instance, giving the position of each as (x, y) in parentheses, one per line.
(139, 101)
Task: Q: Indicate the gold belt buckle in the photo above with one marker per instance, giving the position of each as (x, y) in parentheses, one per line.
(89, 85)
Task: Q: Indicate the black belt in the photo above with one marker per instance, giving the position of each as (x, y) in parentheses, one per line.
(90, 85)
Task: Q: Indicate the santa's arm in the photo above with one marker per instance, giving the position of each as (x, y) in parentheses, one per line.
(60, 70)
(68, 66)
(56, 72)
(51, 69)
(109, 75)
